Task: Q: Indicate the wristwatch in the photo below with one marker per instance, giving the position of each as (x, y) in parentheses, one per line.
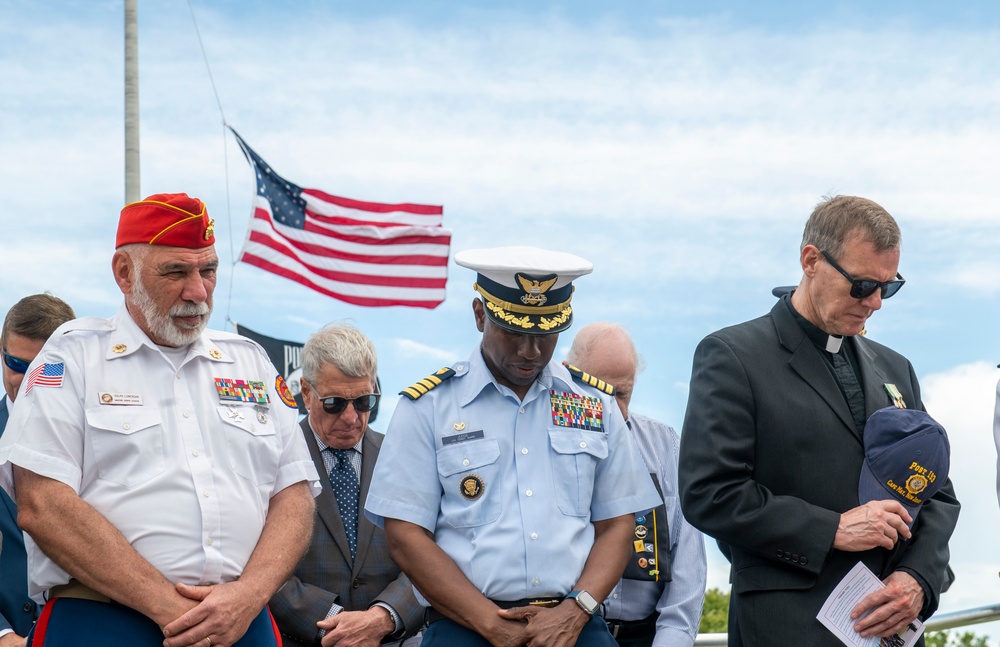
(585, 600)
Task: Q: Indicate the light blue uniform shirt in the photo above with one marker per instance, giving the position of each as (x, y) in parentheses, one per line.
(678, 602)
(529, 531)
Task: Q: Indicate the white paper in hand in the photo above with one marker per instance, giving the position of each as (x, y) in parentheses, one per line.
(836, 612)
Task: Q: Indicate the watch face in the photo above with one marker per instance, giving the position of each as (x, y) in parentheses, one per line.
(586, 602)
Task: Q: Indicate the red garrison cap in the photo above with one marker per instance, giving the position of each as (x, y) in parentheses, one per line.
(173, 219)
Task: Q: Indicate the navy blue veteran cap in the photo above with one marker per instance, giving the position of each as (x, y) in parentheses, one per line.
(526, 289)
(907, 457)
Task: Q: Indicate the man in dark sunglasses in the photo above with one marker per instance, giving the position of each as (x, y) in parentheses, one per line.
(346, 588)
(25, 328)
(772, 446)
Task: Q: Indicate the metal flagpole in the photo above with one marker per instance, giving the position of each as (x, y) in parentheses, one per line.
(132, 193)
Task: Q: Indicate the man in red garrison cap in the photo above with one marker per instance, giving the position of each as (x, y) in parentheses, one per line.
(157, 465)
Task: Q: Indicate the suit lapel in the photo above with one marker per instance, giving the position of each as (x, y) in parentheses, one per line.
(365, 527)
(3, 413)
(810, 365)
(326, 503)
(873, 378)
(8, 503)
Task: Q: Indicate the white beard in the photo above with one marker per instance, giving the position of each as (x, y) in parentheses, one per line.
(161, 324)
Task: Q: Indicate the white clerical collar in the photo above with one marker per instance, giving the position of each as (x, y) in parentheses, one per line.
(833, 343)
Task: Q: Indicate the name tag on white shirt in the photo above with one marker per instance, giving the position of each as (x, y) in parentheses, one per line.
(126, 399)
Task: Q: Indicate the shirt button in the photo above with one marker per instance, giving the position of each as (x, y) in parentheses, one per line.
(521, 410)
(209, 541)
(205, 493)
(524, 450)
(195, 453)
(615, 596)
(465, 462)
(126, 426)
(534, 535)
(528, 492)
(178, 376)
(535, 582)
(582, 444)
(186, 414)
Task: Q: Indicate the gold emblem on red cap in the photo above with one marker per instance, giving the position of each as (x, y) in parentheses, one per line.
(210, 230)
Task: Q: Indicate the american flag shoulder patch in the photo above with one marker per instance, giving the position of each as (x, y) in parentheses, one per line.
(50, 375)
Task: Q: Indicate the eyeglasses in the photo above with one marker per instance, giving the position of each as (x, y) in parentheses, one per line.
(15, 364)
(362, 403)
(862, 288)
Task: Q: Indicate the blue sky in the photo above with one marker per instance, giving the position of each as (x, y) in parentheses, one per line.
(678, 145)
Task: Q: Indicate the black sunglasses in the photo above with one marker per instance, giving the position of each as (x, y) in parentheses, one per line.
(15, 364)
(362, 404)
(862, 288)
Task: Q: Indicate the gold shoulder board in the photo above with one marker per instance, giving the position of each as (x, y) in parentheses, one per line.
(587, 378)
(421, 387)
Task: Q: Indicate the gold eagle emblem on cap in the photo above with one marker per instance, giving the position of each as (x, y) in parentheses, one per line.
(210, 230)
(535, 289)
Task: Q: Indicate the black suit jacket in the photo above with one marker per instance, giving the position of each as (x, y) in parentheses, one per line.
(326, 575)
(17, 610)
(770, 458)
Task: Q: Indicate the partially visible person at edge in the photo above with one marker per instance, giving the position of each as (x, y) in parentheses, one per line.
(508, 484)
(773, 446)
(657, 603)
(346, 590)
(25, 328)
(157, 466)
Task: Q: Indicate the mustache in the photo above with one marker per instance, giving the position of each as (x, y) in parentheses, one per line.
(190, 310)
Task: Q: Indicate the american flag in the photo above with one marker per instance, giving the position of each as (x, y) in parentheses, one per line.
(45, 375)
(364, 253)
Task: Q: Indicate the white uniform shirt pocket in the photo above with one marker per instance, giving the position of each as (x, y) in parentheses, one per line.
(127, 442)
(576, 453)
(468, 473)
(252, 442)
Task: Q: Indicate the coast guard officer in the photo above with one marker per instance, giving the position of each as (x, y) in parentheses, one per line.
(508, 484)
(157, 465)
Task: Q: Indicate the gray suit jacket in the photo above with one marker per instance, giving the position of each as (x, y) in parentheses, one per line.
(326, 575)
(770, 458)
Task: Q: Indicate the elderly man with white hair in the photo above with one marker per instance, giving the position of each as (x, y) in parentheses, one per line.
(658, 601)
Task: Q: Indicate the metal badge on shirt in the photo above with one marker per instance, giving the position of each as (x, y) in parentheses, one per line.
(251, 391)
(576, 411)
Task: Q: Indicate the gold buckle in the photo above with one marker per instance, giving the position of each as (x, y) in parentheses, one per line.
(548, 604)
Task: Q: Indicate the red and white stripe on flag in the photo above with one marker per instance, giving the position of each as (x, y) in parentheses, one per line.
(364, 253)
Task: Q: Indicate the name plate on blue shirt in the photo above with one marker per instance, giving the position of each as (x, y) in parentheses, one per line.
(461, 438)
